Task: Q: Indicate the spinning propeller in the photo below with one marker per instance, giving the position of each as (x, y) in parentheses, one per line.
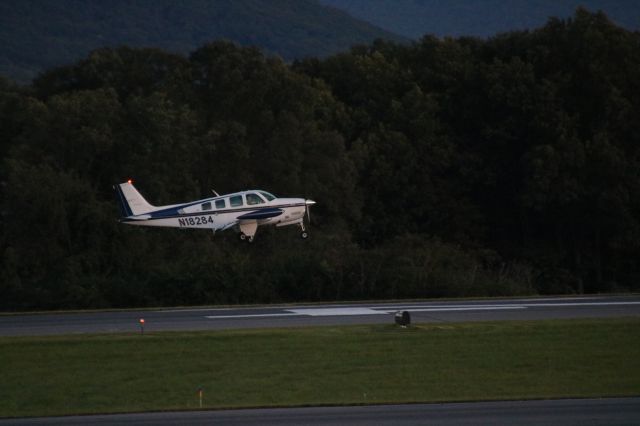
(308, 203)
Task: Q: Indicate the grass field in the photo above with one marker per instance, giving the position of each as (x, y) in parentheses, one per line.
(325, 365)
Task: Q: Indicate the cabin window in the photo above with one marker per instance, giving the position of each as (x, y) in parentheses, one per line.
(254, 199)
(235, 201)
(206, 206)
(268, 196)
(220, 204)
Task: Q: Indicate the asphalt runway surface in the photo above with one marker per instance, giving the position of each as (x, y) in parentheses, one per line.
(594, 412)
(318, 315)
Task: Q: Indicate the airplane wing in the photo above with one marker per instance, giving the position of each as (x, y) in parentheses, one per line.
(248, 222)
(260, 214)
(252, 217)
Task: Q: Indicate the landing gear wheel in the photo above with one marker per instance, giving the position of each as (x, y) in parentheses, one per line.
(304, 235)
(246, 238)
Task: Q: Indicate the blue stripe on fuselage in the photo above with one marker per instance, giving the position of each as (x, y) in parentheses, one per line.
(125, 210)
(173, 212)
(261, 214)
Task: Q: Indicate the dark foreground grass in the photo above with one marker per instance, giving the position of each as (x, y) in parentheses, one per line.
(328, 365)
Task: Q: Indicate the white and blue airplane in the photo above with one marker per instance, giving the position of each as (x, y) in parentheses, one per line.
(242, 211)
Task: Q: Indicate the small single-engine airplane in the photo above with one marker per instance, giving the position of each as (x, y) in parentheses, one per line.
(243, 211)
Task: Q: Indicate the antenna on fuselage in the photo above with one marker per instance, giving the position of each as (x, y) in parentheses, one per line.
(214, 191)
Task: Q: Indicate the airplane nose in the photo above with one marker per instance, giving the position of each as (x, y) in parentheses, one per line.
(309, 202)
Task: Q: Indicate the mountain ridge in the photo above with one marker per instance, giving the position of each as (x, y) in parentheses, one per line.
(416, 18)
(37, 35)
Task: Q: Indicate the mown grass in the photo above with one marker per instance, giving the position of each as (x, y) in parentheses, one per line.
(324, 365)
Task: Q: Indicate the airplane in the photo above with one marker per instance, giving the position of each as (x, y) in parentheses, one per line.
(242, 211)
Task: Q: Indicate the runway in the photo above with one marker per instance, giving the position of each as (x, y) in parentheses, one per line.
(608, 411)
(594, 412)
(213, 318)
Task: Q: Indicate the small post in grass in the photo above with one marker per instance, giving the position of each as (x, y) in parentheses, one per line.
(403, 318)
(200, 396)
(142, 326)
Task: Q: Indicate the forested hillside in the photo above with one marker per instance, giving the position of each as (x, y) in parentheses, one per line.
(36, 35)
(456, 167)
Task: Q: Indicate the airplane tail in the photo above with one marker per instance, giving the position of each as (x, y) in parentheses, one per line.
(131, 201)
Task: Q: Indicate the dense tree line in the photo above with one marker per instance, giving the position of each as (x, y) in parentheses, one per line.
(449, 167)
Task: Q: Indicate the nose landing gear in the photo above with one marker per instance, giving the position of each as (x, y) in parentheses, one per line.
(303, 232)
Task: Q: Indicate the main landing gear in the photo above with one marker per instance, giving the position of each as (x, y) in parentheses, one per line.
(248, 231)
(245, 237)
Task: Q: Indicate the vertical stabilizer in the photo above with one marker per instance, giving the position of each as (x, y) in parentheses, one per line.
(131, 201)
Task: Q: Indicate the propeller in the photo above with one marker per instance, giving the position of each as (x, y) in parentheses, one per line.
(308, 203)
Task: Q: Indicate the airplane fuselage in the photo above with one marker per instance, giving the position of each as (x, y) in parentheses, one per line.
(243, 211)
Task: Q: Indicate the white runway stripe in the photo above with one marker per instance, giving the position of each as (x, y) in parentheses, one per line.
(282, 314)
(464, 308)
(386, 310)
(336, 312)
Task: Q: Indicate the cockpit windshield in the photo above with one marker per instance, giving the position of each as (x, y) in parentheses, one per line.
(254, 199)
(267, 195)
